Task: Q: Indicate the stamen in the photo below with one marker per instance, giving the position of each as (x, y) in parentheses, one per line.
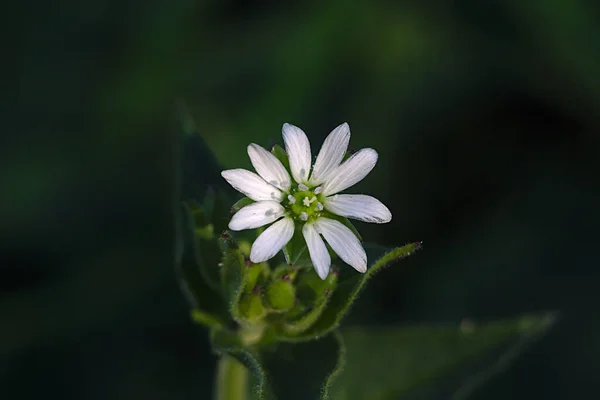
(291, 199)
(319, 206)
(303, 216)
(319, 190)
(302, 187)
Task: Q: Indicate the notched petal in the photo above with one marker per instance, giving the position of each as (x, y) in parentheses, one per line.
(360, 207)
(269, 167)
(331, 154)
(352, 171)
(256, 215)
(251, 185)
(297, 147)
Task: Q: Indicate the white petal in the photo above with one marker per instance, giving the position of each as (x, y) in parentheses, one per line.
(269, 167)
(331, 154)
(298, 150)
(268, 244)
(317, 250)
(255, 215)
(353, 170)
(359, 206)
(343, 242)
(251, 185)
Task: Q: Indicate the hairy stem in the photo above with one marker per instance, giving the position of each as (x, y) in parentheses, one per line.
(232, 380)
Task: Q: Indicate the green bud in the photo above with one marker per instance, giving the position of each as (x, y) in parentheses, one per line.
(281, 294)
(255, 274)
(244, 247)
(251, 307)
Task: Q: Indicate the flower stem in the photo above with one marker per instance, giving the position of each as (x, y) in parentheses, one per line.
(232, 379)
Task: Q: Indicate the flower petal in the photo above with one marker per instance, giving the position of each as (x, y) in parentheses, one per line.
(358, 206)
(317, 250)
(251, 185)
(269, 167)
(353, 170)
(331, 154)
(272, 240)
(297, 147)
(343, 242)
(256, 215)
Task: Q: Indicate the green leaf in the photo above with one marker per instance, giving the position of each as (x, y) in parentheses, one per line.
(201, 296)
(285, 371)
(349, 285)
(217, 209)
(417, 362)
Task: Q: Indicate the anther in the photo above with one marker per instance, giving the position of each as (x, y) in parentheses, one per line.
(302, 187)
(319, 190)
(303, 216)
(319, 206)
(291, 199)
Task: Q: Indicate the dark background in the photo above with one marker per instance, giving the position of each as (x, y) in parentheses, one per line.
(484, 115)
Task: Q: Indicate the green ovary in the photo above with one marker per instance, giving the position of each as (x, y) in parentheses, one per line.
(306, 201)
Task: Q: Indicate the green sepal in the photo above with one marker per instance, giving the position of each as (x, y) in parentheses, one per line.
(349, 285)
(282, 366)
(281, 155)
(202, 297)
(232, 280)
(295, 251)
(241, 203)
(444, 361)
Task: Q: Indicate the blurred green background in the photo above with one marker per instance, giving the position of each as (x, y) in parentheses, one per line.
(484, 115)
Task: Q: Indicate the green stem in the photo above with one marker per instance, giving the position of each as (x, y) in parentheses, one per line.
(232, 379)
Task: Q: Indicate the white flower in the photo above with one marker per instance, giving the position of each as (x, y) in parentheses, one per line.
(308, 199)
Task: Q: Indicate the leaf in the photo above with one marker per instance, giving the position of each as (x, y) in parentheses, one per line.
(432, 362)
(349, 285)
(206, 247)
(217, 207)
(199, 168)
(201, 296)
(285, 371)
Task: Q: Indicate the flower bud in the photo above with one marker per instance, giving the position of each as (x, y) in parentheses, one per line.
(251, 306)
(281, 294)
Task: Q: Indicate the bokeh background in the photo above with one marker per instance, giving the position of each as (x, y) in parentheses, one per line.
(484, 114)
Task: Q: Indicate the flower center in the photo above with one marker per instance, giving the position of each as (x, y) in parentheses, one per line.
(304, 203)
